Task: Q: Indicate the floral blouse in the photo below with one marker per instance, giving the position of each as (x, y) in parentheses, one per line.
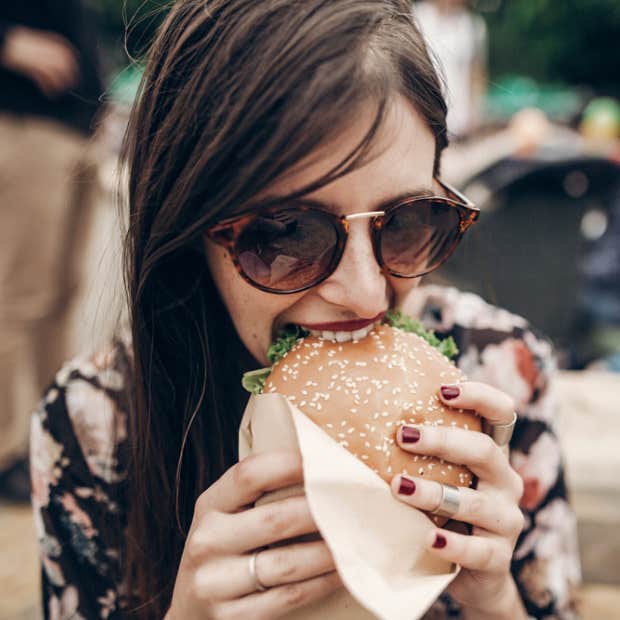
(79, 469)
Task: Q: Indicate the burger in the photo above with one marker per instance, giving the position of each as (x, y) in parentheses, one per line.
(361, 391)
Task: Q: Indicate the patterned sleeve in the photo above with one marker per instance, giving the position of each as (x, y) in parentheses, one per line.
(546, 563)
(77, 489)
(499, 348)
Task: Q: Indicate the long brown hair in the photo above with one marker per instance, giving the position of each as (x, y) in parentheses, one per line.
(235, 92)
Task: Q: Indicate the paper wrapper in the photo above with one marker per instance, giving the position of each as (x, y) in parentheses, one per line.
(376, 540)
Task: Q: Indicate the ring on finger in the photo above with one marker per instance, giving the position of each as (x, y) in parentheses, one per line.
(501, 434)
(450, 501)
(258, 584)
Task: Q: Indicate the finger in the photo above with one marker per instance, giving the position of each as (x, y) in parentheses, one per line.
(217, 534)
(492, 512)
(477, 553)
(246, 481)
(493, 404)
(230, 577)
(278, 602)
(475, 450)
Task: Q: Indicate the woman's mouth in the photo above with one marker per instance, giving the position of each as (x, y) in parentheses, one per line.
(344, 336)
(344, 331)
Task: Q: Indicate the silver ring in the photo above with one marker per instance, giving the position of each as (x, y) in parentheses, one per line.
(450, 501)
(260, 587)
(501, 434)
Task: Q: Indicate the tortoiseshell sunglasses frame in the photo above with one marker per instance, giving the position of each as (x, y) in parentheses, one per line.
(227, 232)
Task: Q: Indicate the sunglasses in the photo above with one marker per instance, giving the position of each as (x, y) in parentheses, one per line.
(291, 248)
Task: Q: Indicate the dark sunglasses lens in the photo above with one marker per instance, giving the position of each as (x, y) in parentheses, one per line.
(287, 250)
(416, 238)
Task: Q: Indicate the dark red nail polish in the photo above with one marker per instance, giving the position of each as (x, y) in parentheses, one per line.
(407, 486)
(450, 391)
(440, 541)
(410, 434)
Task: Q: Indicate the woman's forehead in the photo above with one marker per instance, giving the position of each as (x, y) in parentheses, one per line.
(400, 160)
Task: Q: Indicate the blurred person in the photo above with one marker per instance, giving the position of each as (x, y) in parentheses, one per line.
(458, 39)
(49, 95)
(316, 114)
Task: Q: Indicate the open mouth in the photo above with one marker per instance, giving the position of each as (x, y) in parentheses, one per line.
(344, 336)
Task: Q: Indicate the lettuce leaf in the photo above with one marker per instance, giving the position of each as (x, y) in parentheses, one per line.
(285, 342)
(254, 380)
(397, 319)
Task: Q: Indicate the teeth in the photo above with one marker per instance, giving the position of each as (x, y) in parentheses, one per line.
(342, 336)
(358, 334)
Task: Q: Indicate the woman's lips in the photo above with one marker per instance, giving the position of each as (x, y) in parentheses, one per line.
(343, 326)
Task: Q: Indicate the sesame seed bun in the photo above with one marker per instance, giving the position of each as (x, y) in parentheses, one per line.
(360, 392)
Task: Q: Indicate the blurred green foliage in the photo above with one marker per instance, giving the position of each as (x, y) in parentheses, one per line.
(128, 26)
(569, 41)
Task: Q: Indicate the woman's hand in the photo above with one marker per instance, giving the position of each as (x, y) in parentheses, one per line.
(214, 579)
(484, 587)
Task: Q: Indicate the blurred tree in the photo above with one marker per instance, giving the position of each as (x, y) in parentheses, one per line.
(573, 41)
(128, 26)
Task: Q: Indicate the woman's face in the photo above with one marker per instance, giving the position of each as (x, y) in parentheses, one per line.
(401, 162)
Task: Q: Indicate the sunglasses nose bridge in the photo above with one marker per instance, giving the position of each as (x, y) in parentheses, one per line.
(365, 214)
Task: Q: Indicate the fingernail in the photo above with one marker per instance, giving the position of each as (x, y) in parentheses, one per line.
(440, 541)
(450, 391)
(409, 434)
(407, 486)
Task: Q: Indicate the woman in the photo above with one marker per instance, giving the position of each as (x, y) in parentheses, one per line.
(248, 107)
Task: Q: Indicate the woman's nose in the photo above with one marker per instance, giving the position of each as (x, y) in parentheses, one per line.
(358, 284)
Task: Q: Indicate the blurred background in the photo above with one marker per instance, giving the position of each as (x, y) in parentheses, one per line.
(534, 119)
